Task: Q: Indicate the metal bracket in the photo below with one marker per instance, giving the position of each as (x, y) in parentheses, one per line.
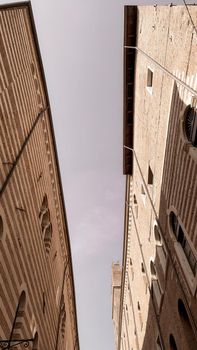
(9, 344)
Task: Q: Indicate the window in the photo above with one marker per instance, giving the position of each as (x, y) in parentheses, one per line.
(130, 297)
(131, 266)
(157, 235)
(20, 315)
(43, 302)
(135, 206)
(1, 227)
(140, 315)
(127, 315)
(35, 342)
(190, 124)
(155, 287)
(158, 343)
(187, 328)
(63, 318)
(142, 267)
(44, 205)
(45, 223)
(47, 237)
(57, 295)
(150, 176)
(45, 218)
(142, 190)
(153, 269)
(143, 194)
(149, 84)
(180, 237)
(172, 343)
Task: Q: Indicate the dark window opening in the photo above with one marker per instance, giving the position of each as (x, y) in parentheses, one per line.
(187, 328)
(142, 190)
(182, 310)
(158, 343)
(150, 176)
(35, 343)
(149, 78)
(191, 125)
(152, 269)
(173, 222)
(180, 236)
(142, 267)
(46, 225)
(172, 343)
(157, 235)
(43, 302)
(1, 226)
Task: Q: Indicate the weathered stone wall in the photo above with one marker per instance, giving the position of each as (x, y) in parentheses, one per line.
(164, 179)
(34, 245)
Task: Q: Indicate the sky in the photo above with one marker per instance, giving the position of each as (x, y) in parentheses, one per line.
(81, 44)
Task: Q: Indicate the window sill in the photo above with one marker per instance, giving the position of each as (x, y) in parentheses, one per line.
(149, 89)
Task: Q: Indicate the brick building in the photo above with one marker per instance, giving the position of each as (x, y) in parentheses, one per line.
(158, 306)
(37, 297)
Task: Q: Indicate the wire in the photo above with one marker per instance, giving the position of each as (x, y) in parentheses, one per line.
(179, 81)
(186, 6)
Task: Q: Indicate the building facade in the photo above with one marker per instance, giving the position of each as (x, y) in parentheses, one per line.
(37, 297)
(158, 306)
(116, 289)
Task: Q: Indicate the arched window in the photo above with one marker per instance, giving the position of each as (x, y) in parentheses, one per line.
(190, 124)
(47, 237)
(187, 328)
(63, 318)
(172, 343)
(45, 223)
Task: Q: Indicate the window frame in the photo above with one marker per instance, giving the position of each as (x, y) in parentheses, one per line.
(149, 80)
(191, 138)
(188, 147)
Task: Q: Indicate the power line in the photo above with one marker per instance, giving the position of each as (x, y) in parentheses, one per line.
(186, 6)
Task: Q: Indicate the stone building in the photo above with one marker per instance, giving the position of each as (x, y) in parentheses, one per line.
(37, 297)
(116, 283)
(158, 306)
